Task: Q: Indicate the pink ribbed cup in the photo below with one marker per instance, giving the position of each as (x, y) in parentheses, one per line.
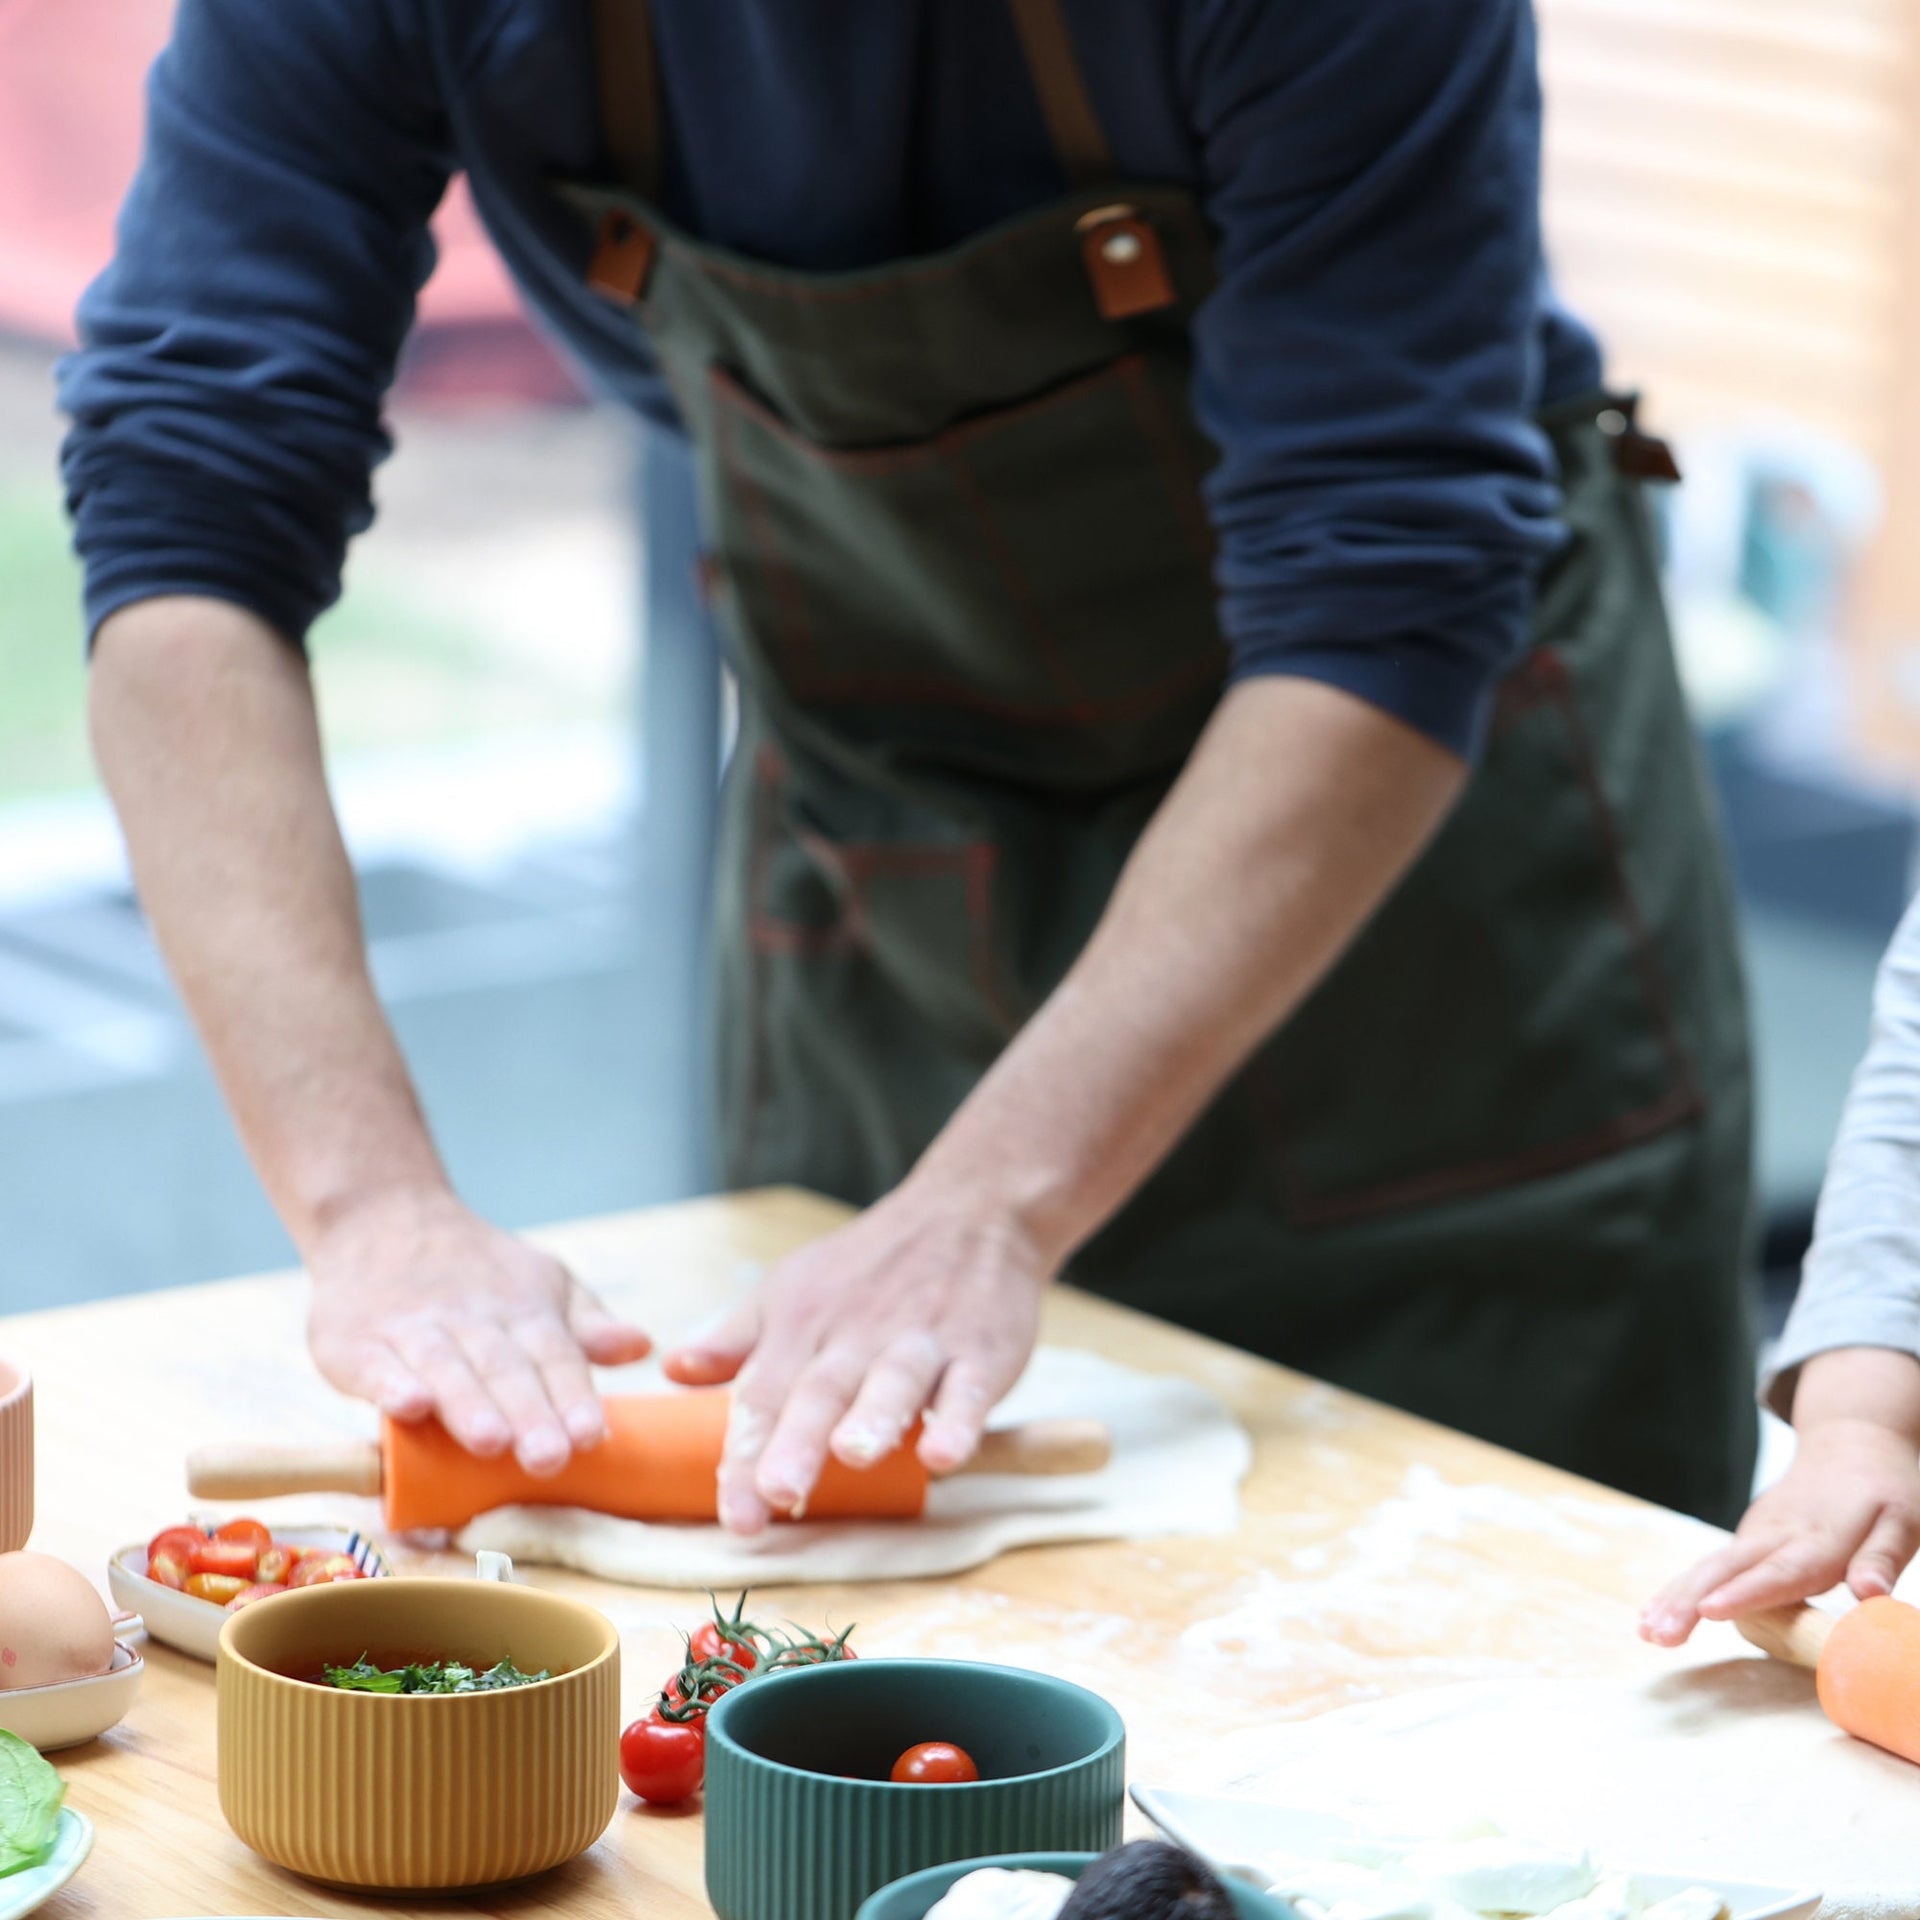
(16, 1455)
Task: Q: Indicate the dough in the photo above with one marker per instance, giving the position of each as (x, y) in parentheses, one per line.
(1002, 1893)
(1695, 1904)
(1726, 1771)
(1498, 1875)
(1615, 1899)
(1179, 1458)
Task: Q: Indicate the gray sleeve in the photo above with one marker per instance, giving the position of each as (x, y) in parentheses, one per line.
(1861, 1283)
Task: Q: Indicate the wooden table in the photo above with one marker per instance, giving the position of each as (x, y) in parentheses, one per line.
(1376, 1553)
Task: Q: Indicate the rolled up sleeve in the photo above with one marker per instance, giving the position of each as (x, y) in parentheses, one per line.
(226, 395)
(1370, 361)
(1860, 1286)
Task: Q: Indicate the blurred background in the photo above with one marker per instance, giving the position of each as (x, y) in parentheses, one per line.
(519, 706)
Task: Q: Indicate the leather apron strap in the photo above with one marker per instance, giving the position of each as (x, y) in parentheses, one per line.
(628, 78)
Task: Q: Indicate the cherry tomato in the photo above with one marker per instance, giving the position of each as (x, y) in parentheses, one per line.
(710, 1643)
(317, 1569)
(255, 1532)
(276, 1565)
(935, 1763)
(259, 1590)
(179, 1541)
(217, 1587)
(235, 1559)
(169, 1568)
(662, 1763)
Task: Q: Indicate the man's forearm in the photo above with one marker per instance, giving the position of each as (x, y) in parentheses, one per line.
(204, 727)
(1300, 809)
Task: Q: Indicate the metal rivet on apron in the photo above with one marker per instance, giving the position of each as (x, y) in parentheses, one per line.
(1611, 421)
(1121, 248)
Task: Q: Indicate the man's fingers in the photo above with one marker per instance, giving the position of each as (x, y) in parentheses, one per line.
(1673, 1613)
(467, 1410)
(565, 1375)
(507, 1372)
(604, 1338)
(1884, 1556)
(958, 1416)
(392, 1385)
(715, 1354)
(898, 1385)
(810, 1410)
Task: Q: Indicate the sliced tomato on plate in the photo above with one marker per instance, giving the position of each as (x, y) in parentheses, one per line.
(259, 1590)
(276, 1564)
(256, 1533)
(317, 1569)
(217, 1587)
(169, 1568)
(178, 1541)
(232, 1559)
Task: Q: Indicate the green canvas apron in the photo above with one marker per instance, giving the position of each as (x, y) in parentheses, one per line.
(1496, 1169)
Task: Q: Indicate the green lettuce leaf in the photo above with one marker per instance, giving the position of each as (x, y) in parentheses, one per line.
(30, 1797)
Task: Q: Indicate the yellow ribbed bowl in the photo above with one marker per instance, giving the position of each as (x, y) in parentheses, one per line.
(16, 1456)
(428, 1793)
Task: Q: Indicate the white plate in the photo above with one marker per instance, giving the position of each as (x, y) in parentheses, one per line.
(74, 1711)
(1234, 1833)
(72, 1842)
(193, 1625)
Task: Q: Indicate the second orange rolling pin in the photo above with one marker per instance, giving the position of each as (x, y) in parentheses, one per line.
(658, 1462)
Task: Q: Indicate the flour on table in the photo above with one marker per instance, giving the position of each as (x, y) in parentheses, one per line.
(1721, 1772)
(1178, 1460)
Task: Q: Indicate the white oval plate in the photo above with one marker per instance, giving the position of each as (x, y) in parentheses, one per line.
(23, 1891)
(72, 1712)
(179, 1620)
(1232, 1833)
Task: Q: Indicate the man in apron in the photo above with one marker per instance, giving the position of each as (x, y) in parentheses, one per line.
(1206, 818)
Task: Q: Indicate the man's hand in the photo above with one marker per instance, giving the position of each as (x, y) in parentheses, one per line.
(423, 1307)
(927, 1300)
(1847, 1509)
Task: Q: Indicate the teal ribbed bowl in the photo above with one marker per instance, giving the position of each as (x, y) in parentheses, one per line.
(791, 1837)
(913, 1897)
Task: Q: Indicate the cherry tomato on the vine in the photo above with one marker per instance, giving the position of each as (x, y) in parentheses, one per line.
(935, 1763)
(711, 1643)
(662, 1763)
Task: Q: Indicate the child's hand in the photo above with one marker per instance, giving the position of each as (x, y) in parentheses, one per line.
(1848, 1508)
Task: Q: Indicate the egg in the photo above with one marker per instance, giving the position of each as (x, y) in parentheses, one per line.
(54, 1625)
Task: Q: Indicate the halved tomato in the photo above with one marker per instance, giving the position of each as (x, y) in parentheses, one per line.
(234, 1559)
(178, 1541)
(259, 1590)
(276, 1564)
(169, 1568)
(217, 1587)
(316, 1569)
(255, 1532)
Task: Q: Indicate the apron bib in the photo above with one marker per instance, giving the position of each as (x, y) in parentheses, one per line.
(1495, 1169)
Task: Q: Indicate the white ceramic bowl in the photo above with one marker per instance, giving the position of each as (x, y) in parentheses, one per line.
(1230, 1833)
(74, 1711)
(193, 1626)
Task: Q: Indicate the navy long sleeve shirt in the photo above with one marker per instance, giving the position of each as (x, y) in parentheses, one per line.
(1369, 363)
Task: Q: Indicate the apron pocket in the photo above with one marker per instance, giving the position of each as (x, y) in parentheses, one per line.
(1025, 565)
(1503, 1017)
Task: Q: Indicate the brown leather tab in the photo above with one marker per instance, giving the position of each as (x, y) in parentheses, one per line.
(1125, 262)
(622, 258)
(1640, 456)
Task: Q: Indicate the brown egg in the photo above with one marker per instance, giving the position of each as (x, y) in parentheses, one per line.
(53, 1624)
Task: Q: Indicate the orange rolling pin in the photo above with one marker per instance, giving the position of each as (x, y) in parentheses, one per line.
(658, 1462)
(1866, 1663)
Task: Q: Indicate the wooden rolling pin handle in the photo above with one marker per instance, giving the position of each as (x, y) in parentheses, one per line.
(1797, 1635)
(242, 1472)
(1043, 1447)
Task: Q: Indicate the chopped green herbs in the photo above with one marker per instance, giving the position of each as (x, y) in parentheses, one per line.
(30, 1797)
(443, 1676)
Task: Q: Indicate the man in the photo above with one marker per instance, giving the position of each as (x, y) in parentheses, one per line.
(1212, 803)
